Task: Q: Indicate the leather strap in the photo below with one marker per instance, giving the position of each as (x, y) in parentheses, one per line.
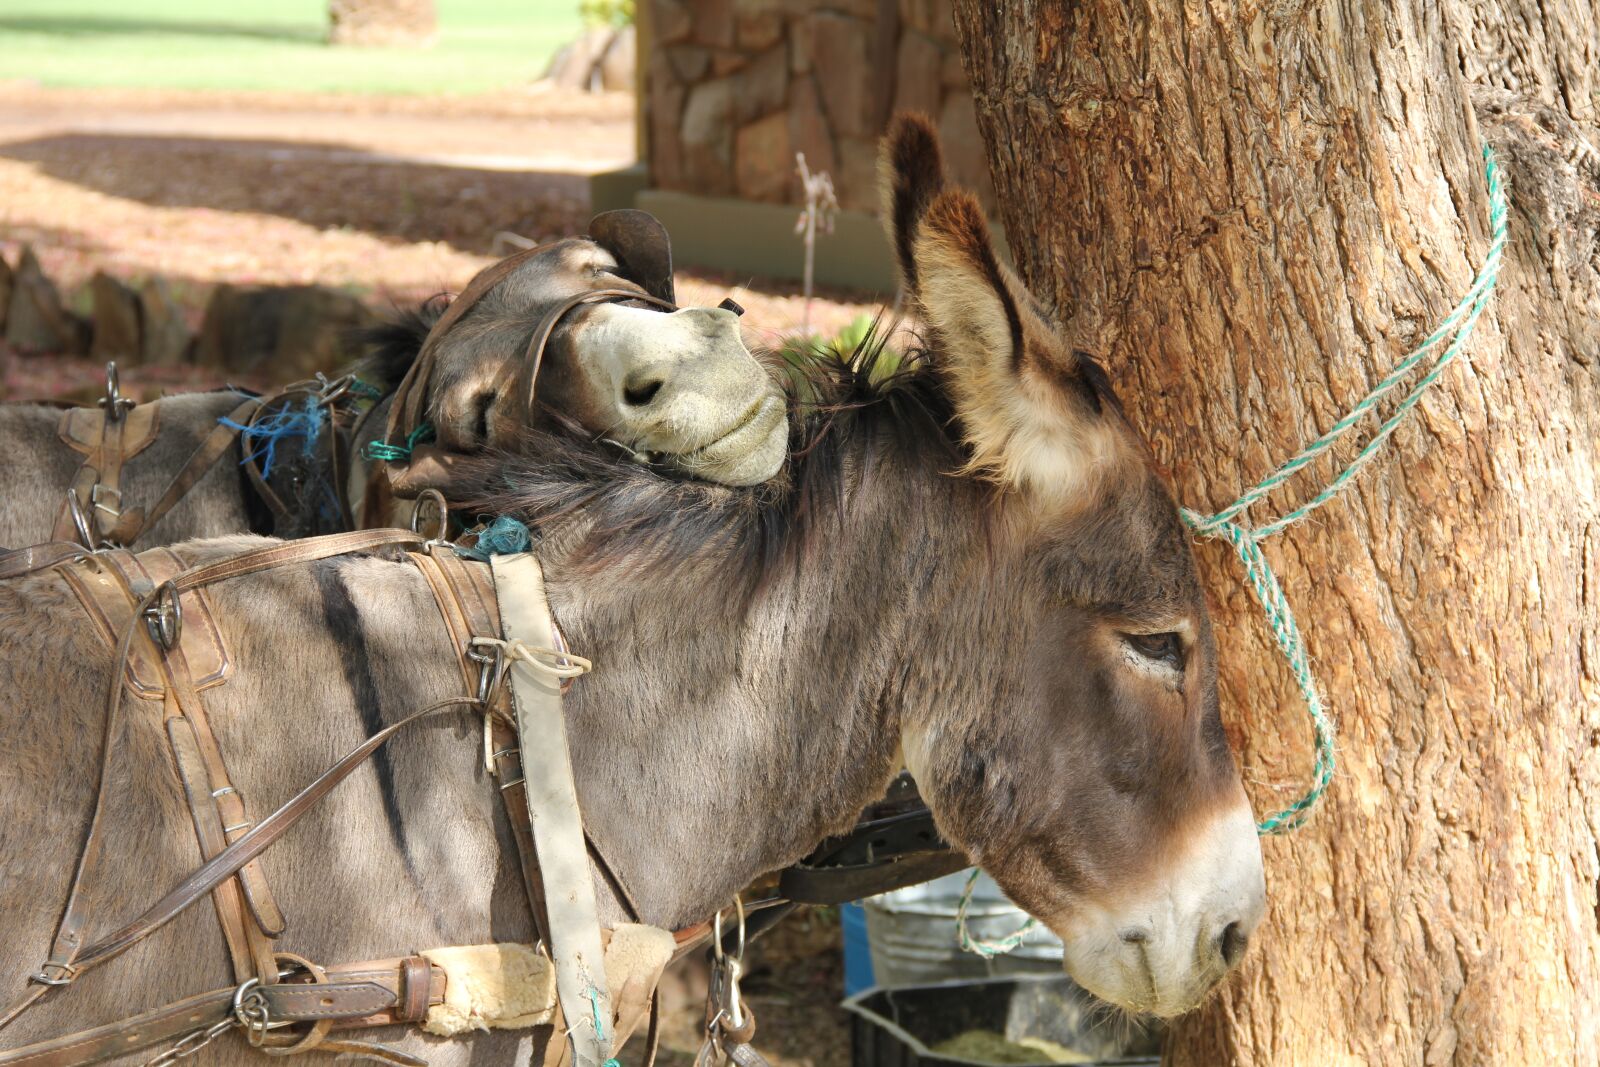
(212, 447)
(107, 437)
(575, 945)
(68, 958)
(366, 994)
(19, 561)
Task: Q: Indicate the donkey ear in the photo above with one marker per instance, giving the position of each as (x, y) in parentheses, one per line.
(641, 246)
(1030, 406)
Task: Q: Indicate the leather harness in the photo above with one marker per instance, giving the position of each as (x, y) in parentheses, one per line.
(156, 611)
(93, 513)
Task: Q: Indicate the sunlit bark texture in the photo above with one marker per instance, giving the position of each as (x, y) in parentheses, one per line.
(1251, 212)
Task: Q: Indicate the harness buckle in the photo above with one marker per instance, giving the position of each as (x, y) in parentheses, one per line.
(66, 974)
(163, 618)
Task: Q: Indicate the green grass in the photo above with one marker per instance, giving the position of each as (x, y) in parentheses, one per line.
(273, 44)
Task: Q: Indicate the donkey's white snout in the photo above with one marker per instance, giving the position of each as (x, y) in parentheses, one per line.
(1162, 949)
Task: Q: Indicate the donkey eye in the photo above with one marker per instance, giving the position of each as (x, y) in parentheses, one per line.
(1163, 648)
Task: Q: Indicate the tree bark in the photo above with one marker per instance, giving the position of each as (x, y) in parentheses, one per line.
(382, 22)
(1251, 212)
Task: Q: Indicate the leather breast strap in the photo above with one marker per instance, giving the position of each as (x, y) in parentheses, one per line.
(574, 924)
(367, 994)
(71, 955)
(19, 561)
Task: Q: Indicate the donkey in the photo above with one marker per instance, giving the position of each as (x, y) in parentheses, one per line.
(679, 389)
(971, 565)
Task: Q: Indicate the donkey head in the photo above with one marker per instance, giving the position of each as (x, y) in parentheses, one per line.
(1078, 756)
(677, 386)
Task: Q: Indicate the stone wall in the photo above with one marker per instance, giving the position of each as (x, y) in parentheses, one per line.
(734, 88)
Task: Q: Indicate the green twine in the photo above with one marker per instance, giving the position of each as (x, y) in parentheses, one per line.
(1246, 540)
(988, 948)
(383, 450)
(599, 1027)
(502, 537)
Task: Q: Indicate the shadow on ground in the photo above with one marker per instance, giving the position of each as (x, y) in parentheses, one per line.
(81, 26)
(328, 186)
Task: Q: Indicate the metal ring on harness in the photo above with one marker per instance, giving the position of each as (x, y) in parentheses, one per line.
(163, 618)
(436, 535)
(80, 521)
(114, 402)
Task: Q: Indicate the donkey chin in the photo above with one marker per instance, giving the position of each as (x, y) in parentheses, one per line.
(1161, 949)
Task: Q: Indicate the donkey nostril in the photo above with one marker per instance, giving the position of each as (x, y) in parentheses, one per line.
(638, 394)
(1135, 935)
(1233, 943)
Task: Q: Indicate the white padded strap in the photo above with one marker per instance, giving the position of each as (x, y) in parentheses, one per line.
(575, 944)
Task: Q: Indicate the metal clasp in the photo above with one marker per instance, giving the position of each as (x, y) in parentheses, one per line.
(163, 617)
(66, 973)
(114, 402)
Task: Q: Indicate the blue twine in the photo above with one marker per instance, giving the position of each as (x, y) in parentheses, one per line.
(382, 450)
(290, 421)
(502, 537)
(365, 389)
(1246, 540)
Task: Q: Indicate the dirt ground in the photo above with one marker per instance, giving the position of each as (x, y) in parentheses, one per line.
(396, 199)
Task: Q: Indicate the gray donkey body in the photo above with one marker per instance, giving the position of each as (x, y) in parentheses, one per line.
(1029, 633)
(39, 467)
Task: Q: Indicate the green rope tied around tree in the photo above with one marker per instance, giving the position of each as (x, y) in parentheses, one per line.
(1246, 540)
(988, 948)
(382, 450)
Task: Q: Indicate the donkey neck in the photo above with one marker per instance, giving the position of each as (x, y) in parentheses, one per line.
(722, 736)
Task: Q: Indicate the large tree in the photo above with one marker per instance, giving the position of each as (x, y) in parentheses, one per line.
(1251, 210)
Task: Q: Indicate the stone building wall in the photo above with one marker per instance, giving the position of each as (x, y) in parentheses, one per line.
(734, 88)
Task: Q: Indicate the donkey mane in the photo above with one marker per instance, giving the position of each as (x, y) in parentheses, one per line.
(393, 346)
(841, 403)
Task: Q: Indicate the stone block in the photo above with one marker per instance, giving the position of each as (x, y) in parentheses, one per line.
(671, 21)
(725, 61)
(951, 73)
(763, 161)
(936, 18)
(281, 333)
(808, 126)
(839, 56)
(689, 62)
(116, 323)
(5, 292)
(758, 24)
(917, 74)
(665, 119)
(577, 66)
(802, 44)
(36, 320)
(618, 66)
(762, 87)
(855, 181)
(166, 340)
(712, 22)
(966, 159)
(707, 132)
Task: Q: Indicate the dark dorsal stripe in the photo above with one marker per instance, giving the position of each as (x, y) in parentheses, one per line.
(343, 621)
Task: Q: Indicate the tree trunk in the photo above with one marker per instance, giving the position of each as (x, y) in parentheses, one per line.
(1251, 212)
(382, 22)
